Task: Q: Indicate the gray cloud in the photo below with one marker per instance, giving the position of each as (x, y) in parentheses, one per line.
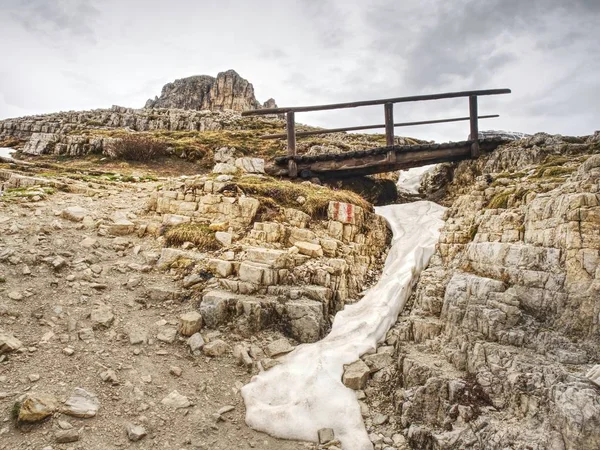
(79, 54)
(52, 18)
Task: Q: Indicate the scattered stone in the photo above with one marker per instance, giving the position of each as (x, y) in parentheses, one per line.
(68, 351)
(33, 377)
(14, 295)
(325, 435)
(167, 334)
(225, 409)
(86, 334)
(8, 343)
(110, 376)
(101, 316)
(356, 375)
(64, 425)
(36, 407)
(135, 432)
(190, 323)
(243, 358)
(66, 436)
(215, 348)
(268, 363)
(176, 400)
(74, 213)
(175, 370)
(379, 419)
(192, 280)
(58, 263)
(196, 342)
(89, 242)
(278, 347)
(137, 336)
(121, 227)
(81, 404)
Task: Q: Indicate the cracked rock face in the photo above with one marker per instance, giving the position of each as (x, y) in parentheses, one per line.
(500, 345)
(202, 92)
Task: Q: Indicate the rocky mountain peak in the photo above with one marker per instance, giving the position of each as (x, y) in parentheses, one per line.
(203, 92)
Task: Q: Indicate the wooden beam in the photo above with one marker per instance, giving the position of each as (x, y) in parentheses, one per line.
(374, 127)
(291, 144)
(414, 98)
(474, 136)
(388, 110)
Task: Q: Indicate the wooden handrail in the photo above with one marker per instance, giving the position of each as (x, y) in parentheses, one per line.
(414, 98)
(374, 127)
(389, 120)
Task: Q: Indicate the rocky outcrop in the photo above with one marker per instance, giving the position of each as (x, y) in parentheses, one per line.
(292, 273)
(499, 347)
(228, 91)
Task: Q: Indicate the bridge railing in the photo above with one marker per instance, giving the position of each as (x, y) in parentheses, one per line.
(389, 124)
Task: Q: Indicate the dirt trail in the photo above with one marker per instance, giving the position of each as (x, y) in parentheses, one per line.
(54, 273)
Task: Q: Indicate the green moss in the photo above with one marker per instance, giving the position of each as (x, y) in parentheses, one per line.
(286, 193)
(500, 201)
(473, 231)
(2, 280)
(14, 412)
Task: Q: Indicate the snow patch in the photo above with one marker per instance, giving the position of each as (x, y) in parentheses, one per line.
(410, 180)
(305, 393)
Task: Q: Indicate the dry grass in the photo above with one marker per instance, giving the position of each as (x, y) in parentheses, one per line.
(286, 193)
(137, 147)
(197, 234)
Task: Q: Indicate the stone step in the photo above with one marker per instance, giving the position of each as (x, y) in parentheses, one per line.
(301, 318)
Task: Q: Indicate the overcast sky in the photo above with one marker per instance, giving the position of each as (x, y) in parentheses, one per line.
(84, 54)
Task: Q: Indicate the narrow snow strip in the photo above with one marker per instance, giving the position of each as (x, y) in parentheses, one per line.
(305, 393)
(410, 180)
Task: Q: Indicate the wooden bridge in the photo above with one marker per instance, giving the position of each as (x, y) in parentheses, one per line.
(384, 159)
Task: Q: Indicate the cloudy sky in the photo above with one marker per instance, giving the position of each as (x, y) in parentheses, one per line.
(84, 54)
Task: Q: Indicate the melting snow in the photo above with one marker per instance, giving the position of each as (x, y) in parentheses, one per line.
(305, 393)
(410, 180)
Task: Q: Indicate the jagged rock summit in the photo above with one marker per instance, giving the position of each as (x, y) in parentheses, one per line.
(203, 92)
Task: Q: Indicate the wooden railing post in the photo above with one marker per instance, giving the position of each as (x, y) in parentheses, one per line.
(474, 136)
(291, 144)
(389, 131)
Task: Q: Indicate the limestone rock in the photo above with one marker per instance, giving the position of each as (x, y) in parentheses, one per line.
(135, 432)
(309, 249)
(82, 404)
(356, 375)
(190, 323)
(215, 348)
(251, 165)
(8, 343)
(36, 407)
(74, 213)
(278, 347)
(176, 400)
(325, 435)
(227, 91)
(195, 342)
(66, 436)
(101, 316)
(225, 168)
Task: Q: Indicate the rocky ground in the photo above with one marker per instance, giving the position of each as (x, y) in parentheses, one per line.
(109, 339)
(92, 313)
(133, 309)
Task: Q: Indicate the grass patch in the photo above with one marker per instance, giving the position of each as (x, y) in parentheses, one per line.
(14, 411)
(197, 234)
(137, 147)
(286, 193)
(500, 201)
(2, 280)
